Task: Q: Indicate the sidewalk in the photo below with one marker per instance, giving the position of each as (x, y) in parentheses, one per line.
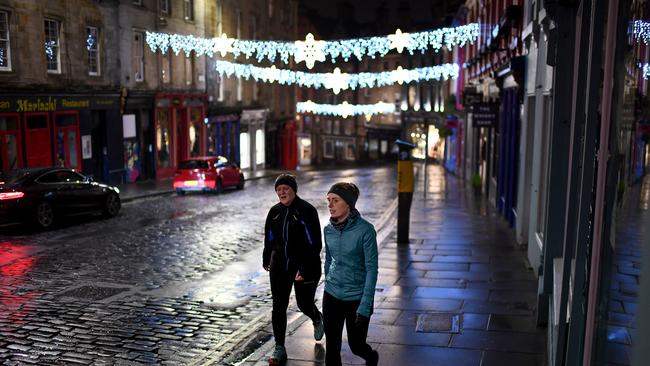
(459, 294)
(150, 188)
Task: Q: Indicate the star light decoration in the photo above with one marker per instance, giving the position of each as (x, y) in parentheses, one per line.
(399, 40)
(223, 44)
(336, 81)
(311, 50)
(641, 30)
(345, 109)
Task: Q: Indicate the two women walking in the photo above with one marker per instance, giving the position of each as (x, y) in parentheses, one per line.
(292, 245)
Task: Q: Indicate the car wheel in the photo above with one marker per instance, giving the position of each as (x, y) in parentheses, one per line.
(180, 192)
(241, 182)
(44, 215)
(112, 205)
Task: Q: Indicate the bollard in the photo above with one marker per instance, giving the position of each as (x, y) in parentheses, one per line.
(404, 190)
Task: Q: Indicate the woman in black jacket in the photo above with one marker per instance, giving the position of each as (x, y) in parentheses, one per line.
(292, 245)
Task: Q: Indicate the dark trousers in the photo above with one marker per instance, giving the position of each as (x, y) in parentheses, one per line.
(336, 312)
(281, 283)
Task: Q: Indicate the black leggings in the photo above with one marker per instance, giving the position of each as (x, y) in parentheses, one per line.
(281, 283)
(336, 312)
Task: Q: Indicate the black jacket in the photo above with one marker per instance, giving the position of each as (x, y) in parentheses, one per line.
(292, 239)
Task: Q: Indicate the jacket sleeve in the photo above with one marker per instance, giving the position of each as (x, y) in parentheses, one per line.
(311, 265)
(268, 242)
(370, 256)
(328, 258)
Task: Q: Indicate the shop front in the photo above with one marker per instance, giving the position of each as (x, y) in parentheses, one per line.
(223, 136)
(381, 140)
(58, 130)
(180, 130)
(252, 142)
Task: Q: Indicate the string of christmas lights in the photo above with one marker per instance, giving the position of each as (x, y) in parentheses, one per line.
(336, 81)
(645, 71)
(641, 30)
(311, 50)
(345, 109)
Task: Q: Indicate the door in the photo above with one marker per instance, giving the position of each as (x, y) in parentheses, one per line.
(38, 145)
(183, 150)
(10, 149)
(67, 143)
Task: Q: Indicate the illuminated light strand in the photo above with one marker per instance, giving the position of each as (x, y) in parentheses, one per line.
(311, 50)
(641, 30)
(645, 71)
(336, 81)
(344, 109)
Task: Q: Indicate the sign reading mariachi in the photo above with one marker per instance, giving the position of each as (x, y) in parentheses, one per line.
(485, 114)
(54, 103)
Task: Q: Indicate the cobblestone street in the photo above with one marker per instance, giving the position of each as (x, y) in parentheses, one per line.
(165, 282)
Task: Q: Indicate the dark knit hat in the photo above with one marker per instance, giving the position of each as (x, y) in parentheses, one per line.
(348, 191)
(287, 179)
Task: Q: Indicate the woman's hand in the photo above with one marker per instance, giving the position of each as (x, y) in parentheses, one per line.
(299, 277)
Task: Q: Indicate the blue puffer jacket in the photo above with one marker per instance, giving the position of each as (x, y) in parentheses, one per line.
(351, 262)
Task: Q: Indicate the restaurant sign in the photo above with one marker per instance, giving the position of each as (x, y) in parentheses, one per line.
(54, 103)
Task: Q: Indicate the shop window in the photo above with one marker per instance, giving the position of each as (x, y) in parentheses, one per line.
(66, 139)
(52, 46)
(259, 147)
(163, 138)
(10, 152)
(383, 147)
(373, 149)
(328, 149)
(138, 56)
(5, 44)
(92, 45)
(244, 150)
(196, 135)
(350, 151)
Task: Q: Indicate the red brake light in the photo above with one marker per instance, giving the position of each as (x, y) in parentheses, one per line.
(11, 195)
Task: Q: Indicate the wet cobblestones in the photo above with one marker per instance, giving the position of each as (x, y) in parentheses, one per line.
(134, 289)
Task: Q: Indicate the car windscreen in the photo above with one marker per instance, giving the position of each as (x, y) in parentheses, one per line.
(193, 164)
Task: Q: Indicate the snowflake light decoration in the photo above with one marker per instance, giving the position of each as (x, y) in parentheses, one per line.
(309, 51)
(400, 40)
(345, 109)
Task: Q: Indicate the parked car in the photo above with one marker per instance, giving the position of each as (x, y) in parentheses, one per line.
(207, 174)
(42, 195)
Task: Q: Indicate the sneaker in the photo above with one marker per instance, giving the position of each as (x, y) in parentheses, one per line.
(319, 327)
(279, 356)
(373, 360)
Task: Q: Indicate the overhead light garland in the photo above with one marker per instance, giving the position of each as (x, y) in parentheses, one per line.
(336, 81)
(645, 71)
(345, 109)
(311, 50)
(641, 30)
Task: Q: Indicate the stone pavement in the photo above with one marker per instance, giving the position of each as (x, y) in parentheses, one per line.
(625, 273)
(460, 293)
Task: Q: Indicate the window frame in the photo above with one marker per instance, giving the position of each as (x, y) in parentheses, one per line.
(165, 7)
(138, 59)
(188, 10)
(57, 45)
(7, 40)
(97, 51)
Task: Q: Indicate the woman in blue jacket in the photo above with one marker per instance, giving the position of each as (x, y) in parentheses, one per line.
(350, 275)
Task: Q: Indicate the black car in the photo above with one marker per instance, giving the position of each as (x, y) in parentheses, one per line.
(41, 195)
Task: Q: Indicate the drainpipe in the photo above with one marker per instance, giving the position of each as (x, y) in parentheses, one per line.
(601, 178)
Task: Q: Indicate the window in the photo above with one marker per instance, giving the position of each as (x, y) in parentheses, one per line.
(164, 7)
(188, 9)
(138, 56)
(166, 68)
(189, 70)
(238, 20)
(328, 149)
(219, 18)
(349, 151)
(270, 8)
(137, 2)
(220, 96)
(92, 45)
(239, 90)
(5, 45)
(259, 146)
(52, 46)
(253, 27)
